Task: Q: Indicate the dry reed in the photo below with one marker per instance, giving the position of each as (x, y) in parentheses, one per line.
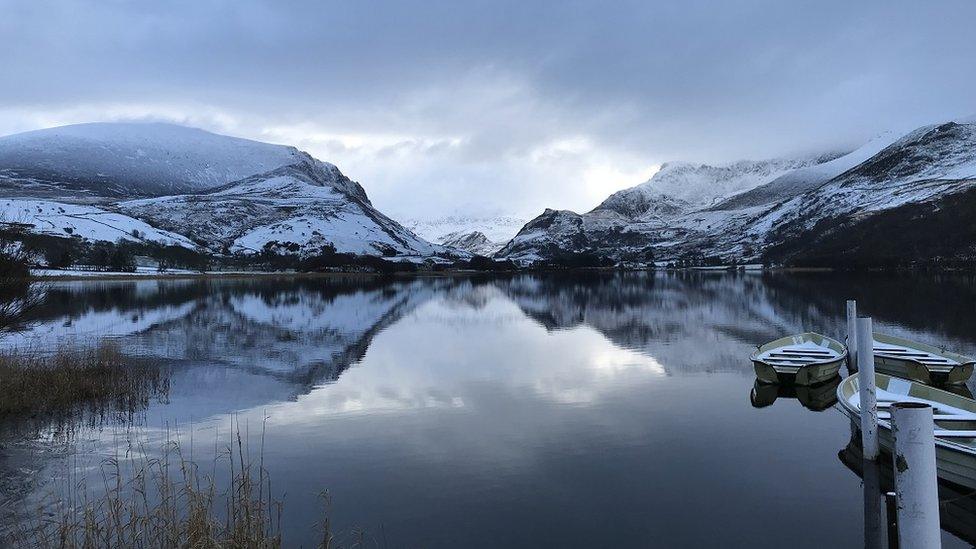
(98, 380)
(160, 502)
(143, 497)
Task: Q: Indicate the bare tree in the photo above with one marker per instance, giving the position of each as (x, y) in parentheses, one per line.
(18, 294)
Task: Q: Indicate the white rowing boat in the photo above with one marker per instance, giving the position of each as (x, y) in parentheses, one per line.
(804, 359)
(920, 362)
(954, 415)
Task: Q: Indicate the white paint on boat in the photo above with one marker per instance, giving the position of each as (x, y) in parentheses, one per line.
(800, 353)
(955, 438)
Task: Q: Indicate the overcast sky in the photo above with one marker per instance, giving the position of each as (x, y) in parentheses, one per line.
(496, 107)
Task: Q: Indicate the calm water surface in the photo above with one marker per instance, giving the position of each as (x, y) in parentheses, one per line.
(525, 411)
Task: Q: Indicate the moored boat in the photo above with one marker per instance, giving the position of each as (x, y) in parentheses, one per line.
(954, 416)
(803, 359)
(920, 362)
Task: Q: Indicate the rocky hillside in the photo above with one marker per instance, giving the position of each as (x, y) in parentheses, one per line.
(175, 185)
(912, 200)
(475, 242)
(679, 187)
(891, 201)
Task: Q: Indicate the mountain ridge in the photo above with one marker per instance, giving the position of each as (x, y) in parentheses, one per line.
(924, 168)
(221, 194)
(240, 198)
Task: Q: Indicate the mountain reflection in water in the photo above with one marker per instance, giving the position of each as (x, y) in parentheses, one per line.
(527, 410)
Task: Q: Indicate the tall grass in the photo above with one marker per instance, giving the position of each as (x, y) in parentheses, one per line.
(164, 499)
(71, 383)
(161, 502)
(144, 496)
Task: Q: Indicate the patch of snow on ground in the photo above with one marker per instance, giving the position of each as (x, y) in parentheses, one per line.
(348, 233)
(88, 222)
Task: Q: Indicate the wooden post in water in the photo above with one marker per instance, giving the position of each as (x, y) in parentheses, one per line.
(865, 382)
(851, 336)
(916, 480)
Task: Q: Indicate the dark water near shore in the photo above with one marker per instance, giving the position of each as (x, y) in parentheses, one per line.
(588, 410)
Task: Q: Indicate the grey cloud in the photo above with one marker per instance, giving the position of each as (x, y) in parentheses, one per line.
(476, 87)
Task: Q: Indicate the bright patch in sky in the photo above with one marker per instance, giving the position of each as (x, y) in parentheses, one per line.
(602, 180)
(446, 108)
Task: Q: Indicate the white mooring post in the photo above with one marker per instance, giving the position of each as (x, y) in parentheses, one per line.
(851, 336)
(916, 483)
(865, 381)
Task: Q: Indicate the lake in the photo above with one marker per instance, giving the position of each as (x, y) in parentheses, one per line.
(555, 410)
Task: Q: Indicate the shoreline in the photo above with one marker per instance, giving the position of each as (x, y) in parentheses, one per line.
(50, 275)
(69, 276)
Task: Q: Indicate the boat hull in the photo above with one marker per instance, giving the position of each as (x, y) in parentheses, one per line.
(951, 465)
(909, 369)
(811, 374)
(920, 362)
(802, 359)
(954, 462)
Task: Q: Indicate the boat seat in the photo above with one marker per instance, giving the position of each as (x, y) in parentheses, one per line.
(798, 355)
(885, 399)
(819, 351)
(889, 347)
(950, 433)
(792, 357)
(936, 411)
(801, 351)
(937, 417)
(923, 357)
(906, 354)
(898, 350)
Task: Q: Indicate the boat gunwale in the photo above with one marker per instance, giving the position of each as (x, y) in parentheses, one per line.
(784, 341)
(960, 359)
(854, 414)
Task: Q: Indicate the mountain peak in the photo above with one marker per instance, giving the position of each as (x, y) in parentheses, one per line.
(173, 184)
(679, 187)
(137, 158)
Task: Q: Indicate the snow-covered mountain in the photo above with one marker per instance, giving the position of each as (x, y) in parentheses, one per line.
(914, 199)
(135, 159)
(616, 228)
(905, 202)
(475, 242)
(483, 235)
(798, 181)
(897, 198)
(917, 187)
(178, 185)
(679, 187)
(300, 207)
